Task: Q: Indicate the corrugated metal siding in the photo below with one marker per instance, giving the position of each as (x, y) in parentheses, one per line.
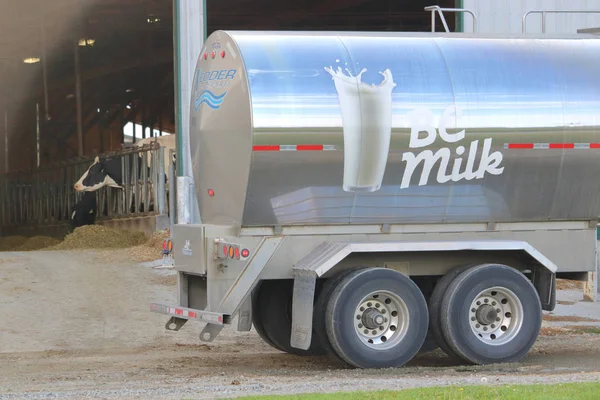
(505, 16)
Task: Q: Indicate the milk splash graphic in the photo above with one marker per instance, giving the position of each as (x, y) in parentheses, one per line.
(367, 125)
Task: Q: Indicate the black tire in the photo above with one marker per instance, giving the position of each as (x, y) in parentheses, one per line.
(320, 309)
(341, 317)
(435, 304)
(429, 344)
(257, 317)
(274, 310)
(456, 313)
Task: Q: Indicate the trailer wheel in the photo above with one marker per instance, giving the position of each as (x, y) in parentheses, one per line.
(435, 304)
(257, 317)
(274, 311)
(320, 308)
(429, 344)
(491, 313)
(376, 318)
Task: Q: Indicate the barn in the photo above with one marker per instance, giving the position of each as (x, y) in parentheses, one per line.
(82, 79)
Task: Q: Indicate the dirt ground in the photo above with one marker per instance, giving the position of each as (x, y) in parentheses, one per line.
(77, 325)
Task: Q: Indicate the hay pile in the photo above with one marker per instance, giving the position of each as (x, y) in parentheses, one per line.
(37, 243)
(100, 237)
(11, 243)
(131, 244)
(151, 250)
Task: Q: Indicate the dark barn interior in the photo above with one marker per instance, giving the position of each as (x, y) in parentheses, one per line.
(75, 72)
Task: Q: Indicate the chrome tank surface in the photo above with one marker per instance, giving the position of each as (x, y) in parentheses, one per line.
(295, 128)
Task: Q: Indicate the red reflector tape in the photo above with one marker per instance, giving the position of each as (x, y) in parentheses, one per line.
(211, 317)
(294, 147)
(520, 145)
(265, 148)
(309, 147)
(551, 146)
(179, 311)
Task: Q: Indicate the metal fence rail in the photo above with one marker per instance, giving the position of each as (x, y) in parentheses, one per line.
(47, 196)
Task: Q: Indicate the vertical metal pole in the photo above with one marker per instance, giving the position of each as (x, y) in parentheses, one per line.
(78, 100)
(5, 141)
(189, 23)
(543, 22)
(432, 21)
(160, 122)
(161, 181)
(37, 132)
(44, 71)
(172, 188)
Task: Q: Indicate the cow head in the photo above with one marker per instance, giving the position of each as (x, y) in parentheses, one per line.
(97, 175)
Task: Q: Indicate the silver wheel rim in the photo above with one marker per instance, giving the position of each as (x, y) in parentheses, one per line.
(496, 316)
(381, 320)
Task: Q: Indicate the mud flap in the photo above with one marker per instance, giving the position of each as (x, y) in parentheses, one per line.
(544, 282)
(302, 310)
(245, 315)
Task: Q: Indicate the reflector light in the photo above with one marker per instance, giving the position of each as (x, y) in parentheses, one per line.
(205, 56)
(170, 244)
(231, 252)
(245, 253)
(211, 192)
(223, 54)
(237, 253)
(225, 250)
(212, 55)
(164, 244)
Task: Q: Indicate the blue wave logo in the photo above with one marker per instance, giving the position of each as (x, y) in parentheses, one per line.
(210, 99)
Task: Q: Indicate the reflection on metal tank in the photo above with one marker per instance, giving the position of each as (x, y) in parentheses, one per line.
(294, 128)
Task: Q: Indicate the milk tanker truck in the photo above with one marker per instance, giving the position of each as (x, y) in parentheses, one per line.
(373, 195)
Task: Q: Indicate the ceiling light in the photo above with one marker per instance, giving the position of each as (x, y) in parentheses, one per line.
(152, 19)
(83, 42)
(31, 60)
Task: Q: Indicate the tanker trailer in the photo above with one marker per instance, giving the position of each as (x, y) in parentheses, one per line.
(362, 191)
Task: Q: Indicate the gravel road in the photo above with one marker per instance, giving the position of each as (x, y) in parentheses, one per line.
(77, 325)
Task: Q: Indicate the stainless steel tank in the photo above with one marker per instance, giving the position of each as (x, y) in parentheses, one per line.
(295, 128)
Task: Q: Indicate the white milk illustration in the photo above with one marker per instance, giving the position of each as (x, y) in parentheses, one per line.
(367, 124)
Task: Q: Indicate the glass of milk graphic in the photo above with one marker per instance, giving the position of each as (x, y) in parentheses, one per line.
(367, 125)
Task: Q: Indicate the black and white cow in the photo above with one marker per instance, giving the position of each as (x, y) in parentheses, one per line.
(103, 172)
(107, 171)
(84, 212)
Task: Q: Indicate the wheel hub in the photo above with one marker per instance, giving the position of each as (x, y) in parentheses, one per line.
(486, 314)
(381, 319)
(496, 315)
(373, 319)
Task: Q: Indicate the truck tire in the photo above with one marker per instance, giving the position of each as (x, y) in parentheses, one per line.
(435, 304)
(376, 318)
(429, 344)
(320, 308)
(257, 317)
(491, 313)
(274, 310)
